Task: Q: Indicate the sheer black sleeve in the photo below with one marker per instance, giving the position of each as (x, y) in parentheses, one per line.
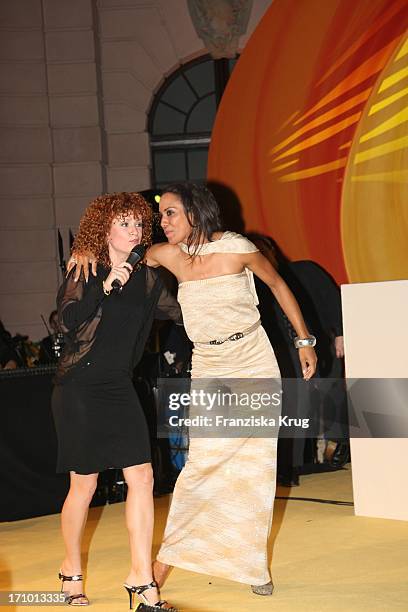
(159, 304)
(167, 307)
(78, 301)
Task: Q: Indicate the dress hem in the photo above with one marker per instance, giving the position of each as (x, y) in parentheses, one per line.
(191, 567)
(98, 470)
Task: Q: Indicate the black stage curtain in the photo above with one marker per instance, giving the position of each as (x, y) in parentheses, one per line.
(29, 486)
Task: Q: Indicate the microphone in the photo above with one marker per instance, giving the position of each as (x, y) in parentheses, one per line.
(135, 255)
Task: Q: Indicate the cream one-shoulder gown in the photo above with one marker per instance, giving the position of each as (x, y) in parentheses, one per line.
(221, 511)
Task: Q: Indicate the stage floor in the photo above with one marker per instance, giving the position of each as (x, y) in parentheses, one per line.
(324, 558)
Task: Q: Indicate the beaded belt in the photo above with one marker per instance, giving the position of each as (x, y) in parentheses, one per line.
(236, 336)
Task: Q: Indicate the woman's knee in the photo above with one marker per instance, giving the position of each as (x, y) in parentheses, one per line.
(138, 475)
(84, 485)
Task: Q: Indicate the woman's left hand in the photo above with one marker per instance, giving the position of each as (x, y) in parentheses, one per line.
(81, 261)
(308, 360)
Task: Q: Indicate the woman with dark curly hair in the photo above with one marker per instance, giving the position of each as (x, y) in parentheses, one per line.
(98, 418)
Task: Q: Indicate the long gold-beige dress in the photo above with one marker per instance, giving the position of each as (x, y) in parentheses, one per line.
(222, 505)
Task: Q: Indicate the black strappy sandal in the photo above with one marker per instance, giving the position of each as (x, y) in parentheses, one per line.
(145, 606)
(71, 599)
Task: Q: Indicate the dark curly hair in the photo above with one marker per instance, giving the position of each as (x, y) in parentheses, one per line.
(97, 220)
(202, 212)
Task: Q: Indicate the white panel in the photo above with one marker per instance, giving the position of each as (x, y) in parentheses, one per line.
(376, 337)
(371, 331)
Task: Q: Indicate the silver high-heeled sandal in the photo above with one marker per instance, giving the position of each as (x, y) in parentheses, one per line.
(263, 589)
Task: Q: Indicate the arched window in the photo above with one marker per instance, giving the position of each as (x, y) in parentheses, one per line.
(181, 120)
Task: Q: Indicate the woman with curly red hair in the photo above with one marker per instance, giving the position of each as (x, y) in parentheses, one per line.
(221, 510)
(98, 417)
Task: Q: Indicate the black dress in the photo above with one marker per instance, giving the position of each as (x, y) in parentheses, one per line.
(320, 302)
(98, 417)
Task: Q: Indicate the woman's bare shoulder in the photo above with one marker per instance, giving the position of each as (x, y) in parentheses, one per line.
(159, 254)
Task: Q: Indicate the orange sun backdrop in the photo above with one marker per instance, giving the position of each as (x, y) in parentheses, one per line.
(312, 136)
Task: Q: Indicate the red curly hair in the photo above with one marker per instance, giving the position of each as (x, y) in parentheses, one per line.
(97, 220)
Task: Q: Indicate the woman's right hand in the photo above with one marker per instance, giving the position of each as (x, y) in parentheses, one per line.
(120, 272)
(82, 264)
(308, 361)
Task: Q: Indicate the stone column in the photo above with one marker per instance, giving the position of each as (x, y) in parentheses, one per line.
(75, 121)
(50, 158)
(28, 269)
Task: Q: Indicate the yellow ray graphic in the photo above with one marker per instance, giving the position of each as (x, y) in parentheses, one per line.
(374, 211)
(321, 136)
(393, 78)
(376, 27)
(371, 66)
(403, 51)
(387, 101)
(385, 126)
(288, 120)
(384, 149)
(314, 171)
(346, 145)
(285, 165)
(393, 176)
(331, 114)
